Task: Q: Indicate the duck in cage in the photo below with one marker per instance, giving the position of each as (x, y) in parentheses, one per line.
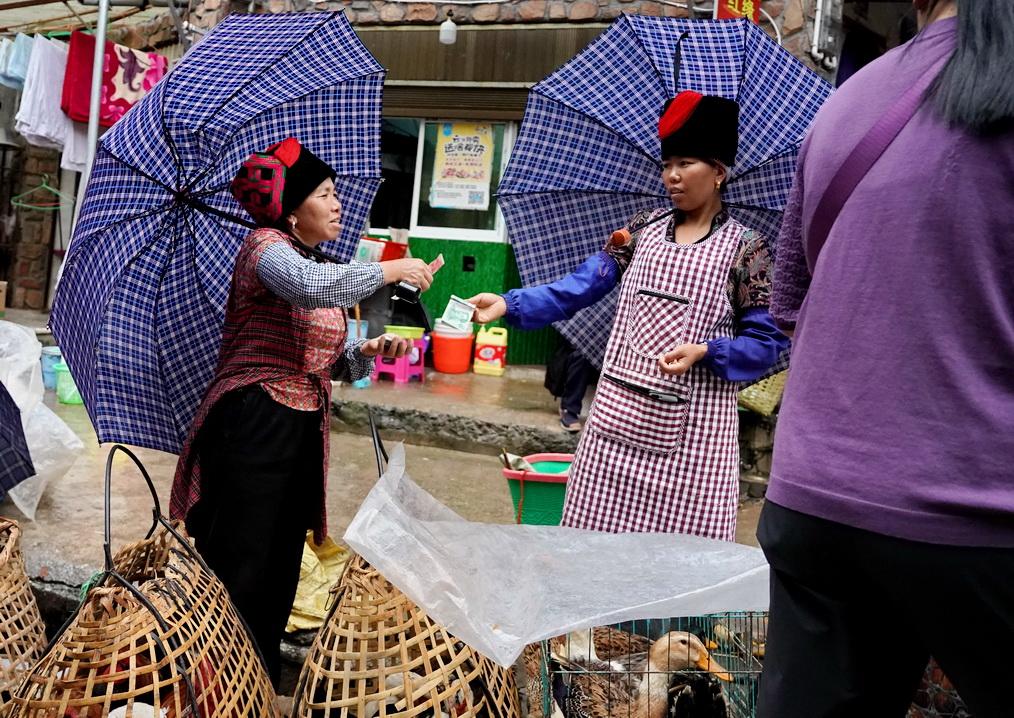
(708, 669)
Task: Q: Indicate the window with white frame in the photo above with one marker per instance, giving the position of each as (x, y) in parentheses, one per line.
(455, 171)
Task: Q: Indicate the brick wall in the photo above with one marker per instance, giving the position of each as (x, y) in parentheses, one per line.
(33, 235)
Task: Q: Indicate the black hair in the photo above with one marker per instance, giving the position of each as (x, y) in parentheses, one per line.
(974, 90)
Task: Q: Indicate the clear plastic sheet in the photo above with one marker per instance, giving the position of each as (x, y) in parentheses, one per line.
(499, 587)
(53, 445)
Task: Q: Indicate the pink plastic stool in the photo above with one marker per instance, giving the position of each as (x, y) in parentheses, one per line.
(402, 370)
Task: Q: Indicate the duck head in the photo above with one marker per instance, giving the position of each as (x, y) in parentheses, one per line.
(679, 651)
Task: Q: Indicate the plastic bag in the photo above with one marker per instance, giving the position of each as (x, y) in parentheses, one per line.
(499, 587)
(54, 448)
(320, 569)
(53, 445)
(20, 367)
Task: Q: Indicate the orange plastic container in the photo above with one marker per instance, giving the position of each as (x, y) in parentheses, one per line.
(452, 354)
(393, 250)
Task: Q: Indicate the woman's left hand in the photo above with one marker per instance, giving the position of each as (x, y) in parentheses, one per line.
(387, 345)
(678, 361)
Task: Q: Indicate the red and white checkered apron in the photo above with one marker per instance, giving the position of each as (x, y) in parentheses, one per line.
(667, 462)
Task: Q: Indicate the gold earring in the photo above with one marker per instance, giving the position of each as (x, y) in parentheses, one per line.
(718, 184)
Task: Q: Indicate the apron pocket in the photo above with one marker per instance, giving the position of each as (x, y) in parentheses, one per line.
(657, 322)
(653, 420)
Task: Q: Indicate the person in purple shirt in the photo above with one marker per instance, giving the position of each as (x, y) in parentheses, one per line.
(660, 450)
(889, 525)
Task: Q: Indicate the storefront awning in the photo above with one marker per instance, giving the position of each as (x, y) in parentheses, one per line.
(484, 75)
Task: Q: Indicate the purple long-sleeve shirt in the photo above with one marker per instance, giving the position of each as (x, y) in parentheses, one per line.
(898, 415)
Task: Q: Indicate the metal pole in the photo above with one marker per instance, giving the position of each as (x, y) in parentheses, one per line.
(97, 64)
(98, 61)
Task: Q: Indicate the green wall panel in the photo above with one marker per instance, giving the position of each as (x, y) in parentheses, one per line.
(473, 267)
(532, 347)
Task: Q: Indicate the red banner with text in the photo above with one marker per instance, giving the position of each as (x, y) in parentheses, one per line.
(732, 9)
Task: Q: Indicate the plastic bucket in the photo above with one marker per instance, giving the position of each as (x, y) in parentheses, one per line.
(66, 389)
(407, 332)
(538, 496)
(358, 328)
(452, 354)
(393, 250)
(51, 356)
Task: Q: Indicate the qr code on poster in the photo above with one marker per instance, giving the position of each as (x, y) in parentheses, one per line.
(475, 197)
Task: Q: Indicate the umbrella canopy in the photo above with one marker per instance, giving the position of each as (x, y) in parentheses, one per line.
(587, 157)
(140, 307)
(15, 461)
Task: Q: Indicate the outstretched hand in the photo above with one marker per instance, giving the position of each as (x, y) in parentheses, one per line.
(388, 345)
(488, 307)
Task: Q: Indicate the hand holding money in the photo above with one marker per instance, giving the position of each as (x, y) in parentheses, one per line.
(488, 307)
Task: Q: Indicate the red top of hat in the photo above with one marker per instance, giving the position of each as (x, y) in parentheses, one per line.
(678, 112)
(287, 151)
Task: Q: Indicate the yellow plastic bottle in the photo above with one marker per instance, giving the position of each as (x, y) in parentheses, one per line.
(490, 352)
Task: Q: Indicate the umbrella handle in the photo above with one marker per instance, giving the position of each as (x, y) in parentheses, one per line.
(622, 236)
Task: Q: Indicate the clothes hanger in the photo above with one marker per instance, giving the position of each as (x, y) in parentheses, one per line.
(63, 200)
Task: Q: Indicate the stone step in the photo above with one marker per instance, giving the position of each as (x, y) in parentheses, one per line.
(449, 431)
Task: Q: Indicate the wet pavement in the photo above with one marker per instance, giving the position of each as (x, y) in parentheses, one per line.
(64, 544)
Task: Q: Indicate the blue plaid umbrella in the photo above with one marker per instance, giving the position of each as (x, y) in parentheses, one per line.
(140, 306)
(15, 461)
(587, 157)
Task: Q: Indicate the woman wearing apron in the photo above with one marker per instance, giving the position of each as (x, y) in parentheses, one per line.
(660, 450)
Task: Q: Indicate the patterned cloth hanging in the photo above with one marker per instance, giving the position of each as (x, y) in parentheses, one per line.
(127, 76)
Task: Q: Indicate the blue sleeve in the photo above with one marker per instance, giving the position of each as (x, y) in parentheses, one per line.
(537, 307)
(755, 348)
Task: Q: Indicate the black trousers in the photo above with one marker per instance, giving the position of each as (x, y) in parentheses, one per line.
(578, 376)
(856, 615)
(261, 473)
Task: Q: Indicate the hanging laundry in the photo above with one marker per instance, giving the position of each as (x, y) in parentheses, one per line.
(127, 75)
(75, 150)
(14, 58)
(39, 119)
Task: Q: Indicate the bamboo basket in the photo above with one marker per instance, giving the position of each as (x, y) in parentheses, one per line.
(378, 655)
(155, 637)
(764, 396)
(22, 634)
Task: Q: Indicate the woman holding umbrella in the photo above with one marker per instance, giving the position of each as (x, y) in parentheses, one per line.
(660, 451)
(251, 477)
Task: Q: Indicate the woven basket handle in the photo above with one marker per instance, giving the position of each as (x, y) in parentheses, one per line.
(156, 509)
(156, 512)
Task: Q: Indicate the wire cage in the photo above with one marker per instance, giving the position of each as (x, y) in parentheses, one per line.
(22, 633)
(936, 697)
(155, 636)
(700, 667)
(378, 655)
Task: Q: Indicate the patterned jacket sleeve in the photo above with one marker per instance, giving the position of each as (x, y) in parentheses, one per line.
(758, 343)
(623, 255)
(791, 278)
(313, 285)
(352, 365)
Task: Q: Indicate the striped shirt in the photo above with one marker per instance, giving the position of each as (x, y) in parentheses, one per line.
(314, 285)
